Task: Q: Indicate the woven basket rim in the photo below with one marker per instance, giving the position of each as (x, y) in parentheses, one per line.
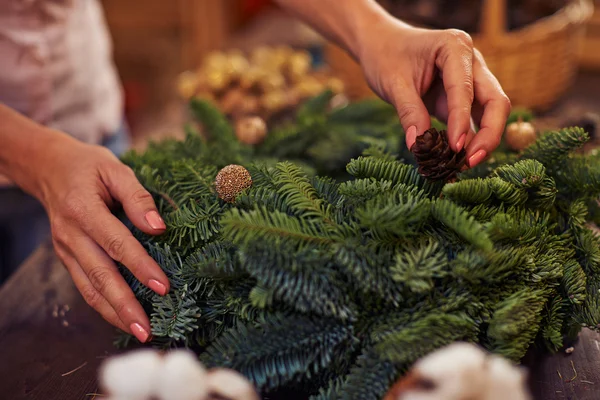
(575, 13)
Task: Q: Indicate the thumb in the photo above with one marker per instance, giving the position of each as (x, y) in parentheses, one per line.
(413, 114)
(137, 202)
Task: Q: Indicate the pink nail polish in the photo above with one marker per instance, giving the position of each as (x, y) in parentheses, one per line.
(157, 287)
(477, 158)
(461, 142)
(139, 332)
(411, 136)
(155, 221)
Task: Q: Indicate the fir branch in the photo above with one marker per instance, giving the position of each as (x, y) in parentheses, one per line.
(552, 324)
(393, 171)
(369, 379)
(282, 350)
(523, 174)
(507, 192)
(588, 250)
(305, 281)
(243, 227)
(459, 221)
(515, 322)
(300, 195)
(553, 147)
(476, 267)
(193, 223)
(370, 110)
(425, 335)
(473, 191)
(417, 265)
(175, 315)
(574, 282)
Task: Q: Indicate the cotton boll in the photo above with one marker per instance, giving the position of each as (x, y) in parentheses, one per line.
(181, 377)
(461, 371)
(228, 384)
(131, 376)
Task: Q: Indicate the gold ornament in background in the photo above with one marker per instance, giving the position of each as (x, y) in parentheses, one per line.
(271, 82)
(231, 181)
(274, 101)
(251, 130)
(309, 87)
(267, 83)
(519, 135)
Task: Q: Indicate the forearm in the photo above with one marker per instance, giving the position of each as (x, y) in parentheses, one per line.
(22, 145)
(345, 22)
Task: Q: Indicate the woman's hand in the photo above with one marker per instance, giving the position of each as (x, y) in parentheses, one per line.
(78, 185)
(423, 72)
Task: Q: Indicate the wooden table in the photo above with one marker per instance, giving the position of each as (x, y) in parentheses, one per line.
(51, 343)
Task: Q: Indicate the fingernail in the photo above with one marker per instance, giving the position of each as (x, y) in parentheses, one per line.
(139, 332)
(477, 158)
(157, 287)
(461, 142)
(155, 221)
(411, 136)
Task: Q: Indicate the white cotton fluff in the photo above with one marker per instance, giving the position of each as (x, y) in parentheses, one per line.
(131, 376)
(464, 371)
(181, 377)
(229, 384)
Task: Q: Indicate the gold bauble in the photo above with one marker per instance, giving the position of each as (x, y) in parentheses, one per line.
(251, 130)
(519, 135)
(237, 64)
(298, 66)
(252, 78)
(274, 101)
(231, 100)
(231, 181)
(217, 79)
(309, 87)
(271, 81)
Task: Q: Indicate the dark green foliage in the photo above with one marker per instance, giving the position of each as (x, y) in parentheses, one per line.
(341, 265)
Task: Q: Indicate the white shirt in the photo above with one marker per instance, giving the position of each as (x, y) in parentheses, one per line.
(56, 66)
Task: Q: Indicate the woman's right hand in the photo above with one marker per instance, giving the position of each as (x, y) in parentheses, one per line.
(78, 184)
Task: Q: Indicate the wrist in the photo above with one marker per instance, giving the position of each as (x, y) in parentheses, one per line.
(372, 27)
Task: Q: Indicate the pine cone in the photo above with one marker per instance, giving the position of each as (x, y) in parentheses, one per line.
(436, 160)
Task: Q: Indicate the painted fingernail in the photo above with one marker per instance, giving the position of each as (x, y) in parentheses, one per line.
(477, 158)
(411, 136)
(155, 221)
(461, 142)
(139, 332)
(157, 287)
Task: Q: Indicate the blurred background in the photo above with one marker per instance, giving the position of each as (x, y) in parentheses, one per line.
(546, 53)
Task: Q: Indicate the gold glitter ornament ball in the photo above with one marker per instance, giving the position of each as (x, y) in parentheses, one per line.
(231, 181)
(251, 130)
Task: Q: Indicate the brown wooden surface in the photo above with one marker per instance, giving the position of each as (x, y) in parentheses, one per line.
(38, 345)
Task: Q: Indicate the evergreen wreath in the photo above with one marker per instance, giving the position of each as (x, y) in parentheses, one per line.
(331, 277)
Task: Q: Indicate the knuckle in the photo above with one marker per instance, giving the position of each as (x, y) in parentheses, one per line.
(91, 296)
(457, 36)
(59, 231)
(141, 196)
(74, 208)
(405, 110)
(100, 278)
(119, 307)
(506, 103)
(115, 246)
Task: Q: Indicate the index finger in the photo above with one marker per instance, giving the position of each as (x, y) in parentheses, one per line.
(120, 245)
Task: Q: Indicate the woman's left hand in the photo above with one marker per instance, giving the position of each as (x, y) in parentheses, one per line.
(426, 72)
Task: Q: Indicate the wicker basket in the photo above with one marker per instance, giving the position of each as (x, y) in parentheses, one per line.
(535, 64)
